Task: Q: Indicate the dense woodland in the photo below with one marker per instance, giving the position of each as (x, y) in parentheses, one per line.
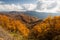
(46, 29)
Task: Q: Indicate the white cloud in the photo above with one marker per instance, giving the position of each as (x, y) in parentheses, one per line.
(10, 7)
(48, 6)
(29, 6)
(41, 6)
(17, 7)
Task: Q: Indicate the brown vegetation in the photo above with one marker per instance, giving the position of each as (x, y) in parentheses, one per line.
(41, 30)
(13, 25)
(48, 28)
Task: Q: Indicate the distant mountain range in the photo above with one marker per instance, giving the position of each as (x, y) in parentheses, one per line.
(40, 15)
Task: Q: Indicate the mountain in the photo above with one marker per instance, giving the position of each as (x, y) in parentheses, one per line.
(40, 15)
(31, 24)
(13, 24)
(37, 14)
(24, 17)
(48, 29)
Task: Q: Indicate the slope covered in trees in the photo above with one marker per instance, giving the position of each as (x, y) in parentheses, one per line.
(17, 22)
(46, 29)
(13, 25)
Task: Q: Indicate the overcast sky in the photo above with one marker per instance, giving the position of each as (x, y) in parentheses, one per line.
(30, 5)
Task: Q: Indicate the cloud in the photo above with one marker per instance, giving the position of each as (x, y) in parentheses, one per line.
(10, 7)
(17, 7)
(29, 6)
(48, 6)
(40, 6)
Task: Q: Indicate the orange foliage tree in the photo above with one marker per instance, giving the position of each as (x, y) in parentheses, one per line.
(13, 24)
(50, 25)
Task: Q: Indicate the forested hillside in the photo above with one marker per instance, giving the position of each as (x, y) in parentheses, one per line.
(31, 28)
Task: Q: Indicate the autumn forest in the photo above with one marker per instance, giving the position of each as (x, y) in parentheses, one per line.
(31, 28)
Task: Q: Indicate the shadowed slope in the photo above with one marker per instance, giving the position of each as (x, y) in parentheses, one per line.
(48, 28)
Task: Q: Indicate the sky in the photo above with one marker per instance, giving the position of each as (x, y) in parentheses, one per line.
(30, 5)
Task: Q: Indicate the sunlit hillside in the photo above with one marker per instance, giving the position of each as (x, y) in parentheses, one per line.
(13, 25)
(26, 27)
